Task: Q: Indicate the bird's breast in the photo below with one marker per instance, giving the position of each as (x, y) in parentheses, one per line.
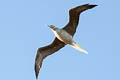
(63, 36)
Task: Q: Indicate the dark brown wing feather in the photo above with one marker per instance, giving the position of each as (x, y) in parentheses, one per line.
(57, 44)
(44, 52)
(74, 14)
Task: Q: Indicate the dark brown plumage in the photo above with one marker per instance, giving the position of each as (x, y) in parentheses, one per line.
(43, 52)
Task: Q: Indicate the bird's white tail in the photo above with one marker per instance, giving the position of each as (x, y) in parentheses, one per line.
(78, 47)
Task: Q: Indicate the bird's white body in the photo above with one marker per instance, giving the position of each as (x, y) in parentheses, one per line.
(65, 37)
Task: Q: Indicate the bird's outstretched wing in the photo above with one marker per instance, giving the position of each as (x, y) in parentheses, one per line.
(44, 52)
(74, 14)
(57, 44)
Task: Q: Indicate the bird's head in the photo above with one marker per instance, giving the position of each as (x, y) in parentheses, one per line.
(52, 27)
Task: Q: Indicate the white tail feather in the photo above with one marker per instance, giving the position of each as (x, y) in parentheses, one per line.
(78, 47)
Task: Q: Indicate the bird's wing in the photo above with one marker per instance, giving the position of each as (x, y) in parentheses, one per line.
(57, 44)
(74, 14)
(44, 52)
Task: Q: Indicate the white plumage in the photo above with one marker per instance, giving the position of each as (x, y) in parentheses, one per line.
(65, 37)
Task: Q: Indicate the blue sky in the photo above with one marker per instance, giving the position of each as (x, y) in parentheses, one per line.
(23, 30)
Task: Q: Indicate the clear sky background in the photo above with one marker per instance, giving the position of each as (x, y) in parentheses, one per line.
(23, 30)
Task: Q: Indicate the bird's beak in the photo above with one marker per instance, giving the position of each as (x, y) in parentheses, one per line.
(47, 25)
(51, 27)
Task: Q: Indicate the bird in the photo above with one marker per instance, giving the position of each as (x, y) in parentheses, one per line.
(66, 38)
(63, 36)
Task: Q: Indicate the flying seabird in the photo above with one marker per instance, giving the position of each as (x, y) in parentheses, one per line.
(63, 37)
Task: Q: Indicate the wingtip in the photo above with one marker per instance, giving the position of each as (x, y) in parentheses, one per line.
(36, 72)
(36, 77)
(95, 5)
(92, 6)
(89, 5)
